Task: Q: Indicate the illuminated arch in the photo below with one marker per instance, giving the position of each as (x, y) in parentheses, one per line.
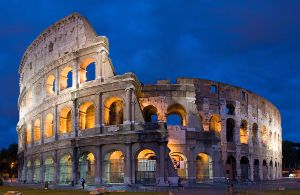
(150, 113)
(87, 167)
(87, 115)
(48, 125)
(65, 167)
(28, 134)
(113, 111)
(244, 132)
(146, 167)
(49, 170)
(204, 167)
(37, 171)
(37, 130)
(83, 72)
(264, 134)
(180, 164)
(114, 167)
(215, 124)
(65, 121)
(28, 173)
(65, 79)
(50, 85)
(177, 109)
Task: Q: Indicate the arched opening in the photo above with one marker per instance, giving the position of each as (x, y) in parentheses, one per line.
(180, 164)
(48, 125)
(65, 79)
(113, 114)
(65, 166)
(150, 114)
(114, 167)
(244, 168)
(254, 134)
(230, 124)
(244, 132)
(87, 115)
(264, 135)
(215, 125)
(231, 168)
(28, 134)
(87, 167)
(65, 121)
(256, 170)
(50, 85)
(230, 109)
(265, 170)
(49, 170)
(37, 171)
(176, 115)
(146, 167)
(28, 172)
(87, 70)
(204, 168)
(37, 130)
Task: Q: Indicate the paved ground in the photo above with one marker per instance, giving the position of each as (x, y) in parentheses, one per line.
(206, 189)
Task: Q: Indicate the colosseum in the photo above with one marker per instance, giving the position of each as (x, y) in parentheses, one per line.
(78, 119)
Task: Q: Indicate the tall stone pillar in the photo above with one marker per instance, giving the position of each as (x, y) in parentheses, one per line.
(32, 133)
(261, 177)
(57, 85)
(162, 169)
(128, 164)
(56, 122)
(75, 165)
(42, 128)
(75, 117)
(75, 74)
(98, 166)
(251, 167)
(42, 173)
(99, 116)
(127, 110)
(56, 167)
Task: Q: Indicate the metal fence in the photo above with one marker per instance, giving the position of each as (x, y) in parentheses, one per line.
(146, 171)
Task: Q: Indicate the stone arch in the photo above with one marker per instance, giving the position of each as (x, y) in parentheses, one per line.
(28, 134)
(28, 173)
(65, 120)
(230, 125)
(264, 135)
(86, 115)
(245, 167)
(231, 167)
(150, 113)
(37, 171)
(265, 170)
(215, 125)
(84, 72)
(255, 133)
(48, 125)
(179, 110)
(271, 170)
(37, 130)
(180, 164)
(230, 109)
(204, 167)
(244, 132)
(50, 85)
(114, 167)
(256, 170)
(49, 170)
(65, 169)
(113, 111)
(66, 78)
(87, 163)
(145, 167)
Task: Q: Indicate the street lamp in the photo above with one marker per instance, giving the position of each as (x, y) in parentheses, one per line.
(11, 166)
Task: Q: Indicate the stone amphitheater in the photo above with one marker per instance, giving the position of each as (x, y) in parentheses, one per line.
(78, 119)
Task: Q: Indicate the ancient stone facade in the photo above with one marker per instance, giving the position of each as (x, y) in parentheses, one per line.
(78, 119)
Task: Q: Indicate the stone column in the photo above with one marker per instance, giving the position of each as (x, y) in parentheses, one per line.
(260, 164)
(42, 128)
(101, 113)
(56, 168)
(75, 165)
(42, 173)
(251, 164)
(32, 133)
(238, 167)
(75, 74)
(162, 159)
(128, 165)
(127, 109)
(133, 107)
(75, 117)
(56, 123)
(57, 86)
(98, 166)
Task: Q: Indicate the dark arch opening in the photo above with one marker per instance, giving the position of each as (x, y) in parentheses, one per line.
(230, 109)
(150, 114)
(90, 71)
(230, 124)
